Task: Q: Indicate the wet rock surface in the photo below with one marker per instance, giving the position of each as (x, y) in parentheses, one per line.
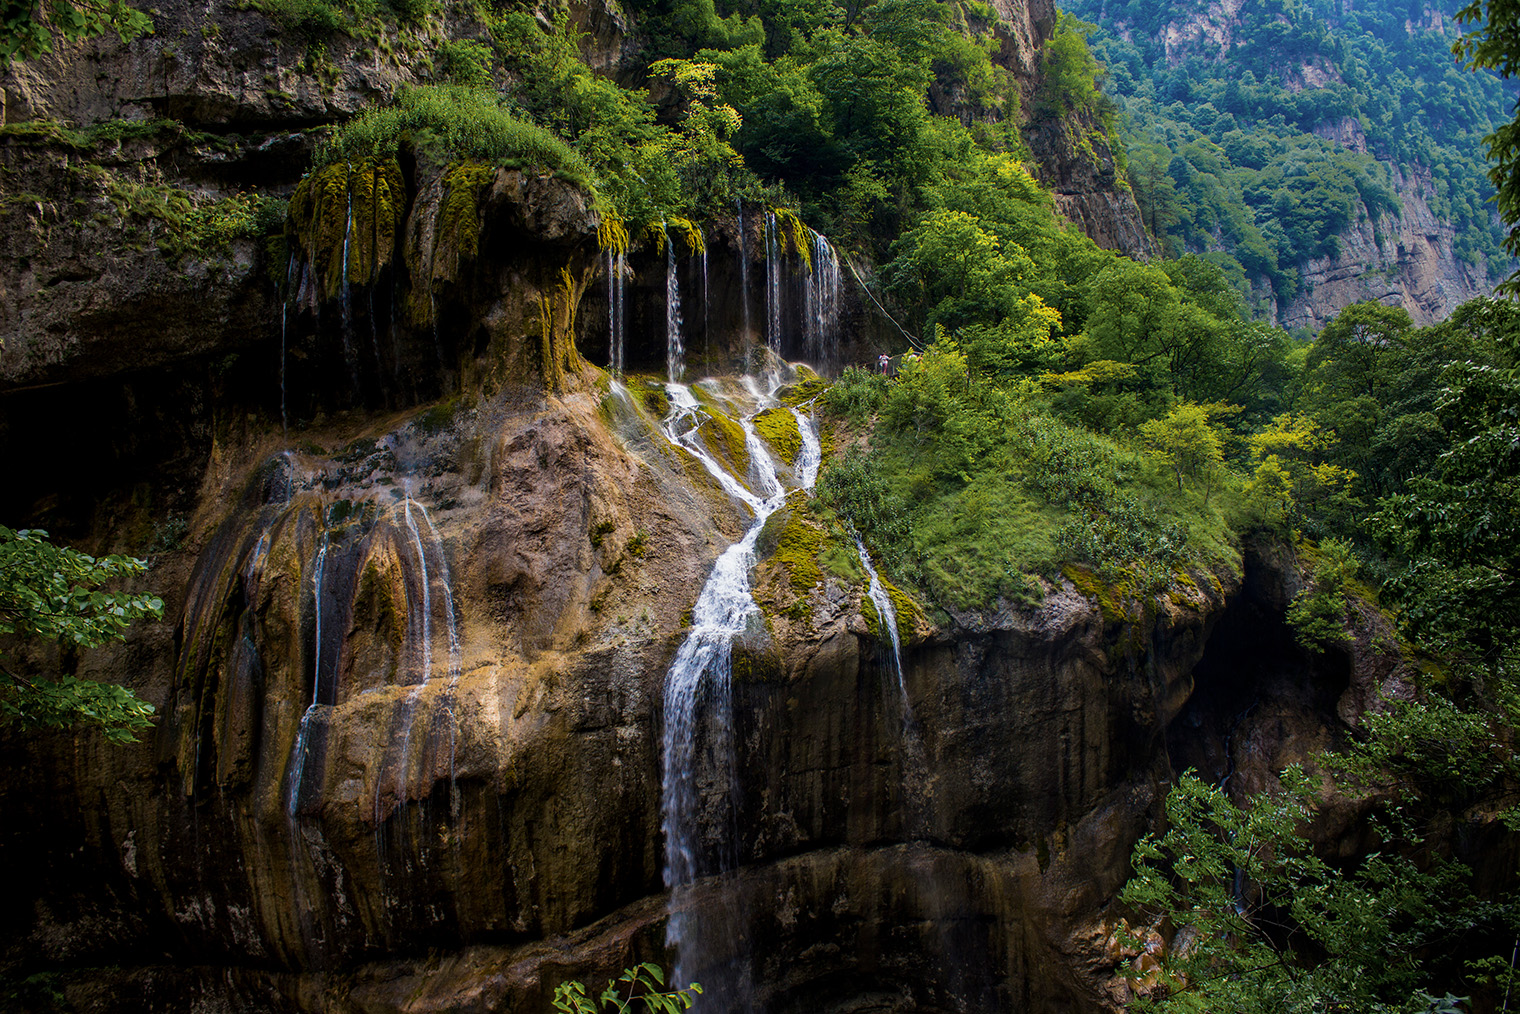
(408, 753)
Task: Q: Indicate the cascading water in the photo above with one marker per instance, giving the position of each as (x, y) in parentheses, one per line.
(675, 352)
(420, 609)
(348, 344)
(290, 272)
(616, 271)
(697, 746)
(706, 345)
(886, 616)
(821, 302)
(451, 623)
(773, 253)
(298, 767)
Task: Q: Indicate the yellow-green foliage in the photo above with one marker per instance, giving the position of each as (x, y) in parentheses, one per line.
(354, 206)
(456, 238)
(778, 427)
(177, 222)
(792, 230)
(455, 123)
(690, 231)
(612, 233)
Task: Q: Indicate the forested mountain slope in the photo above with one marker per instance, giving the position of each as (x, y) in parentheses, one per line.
(1323, 152)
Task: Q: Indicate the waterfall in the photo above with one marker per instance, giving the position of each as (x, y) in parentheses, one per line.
(348, 345)
(744, 333)
(420, 615)
(821, 301)
(451, 627)
(616, 270)
(698, 704)
(427, 589)
(298, 765)
(675, 352)
(773, 253)
(811, 455)
(886, 617)
(706, 349)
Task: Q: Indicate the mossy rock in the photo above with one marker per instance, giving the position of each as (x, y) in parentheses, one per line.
(778, 428)
(355, 209)
(799, 541)
(656, 401)
(908, 611)
(1111, 598)
(456, 233)
(758, 663)
(726, 441)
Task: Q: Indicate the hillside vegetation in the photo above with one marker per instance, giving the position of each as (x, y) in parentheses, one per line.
(1258, 139)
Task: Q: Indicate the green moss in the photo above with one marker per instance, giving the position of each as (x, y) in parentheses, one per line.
(353, 208)
(725, 440)
(1111, 598)
(177, 222)
(798, 544)
(600, 531)
(808, 386)
(839, 559)
(750, 666)
(907, 610)
(778, 427)
(656, 401)
(456, 237)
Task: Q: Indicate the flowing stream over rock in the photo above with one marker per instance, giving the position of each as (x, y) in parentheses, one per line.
(697, 746)
(775, 247)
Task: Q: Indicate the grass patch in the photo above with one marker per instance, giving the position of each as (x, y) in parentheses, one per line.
(455, 123)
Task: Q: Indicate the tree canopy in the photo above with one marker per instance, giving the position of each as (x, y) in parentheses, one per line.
(53, 594)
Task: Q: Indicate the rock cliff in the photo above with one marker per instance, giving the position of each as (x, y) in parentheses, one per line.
(1405, 260)
(425, 570)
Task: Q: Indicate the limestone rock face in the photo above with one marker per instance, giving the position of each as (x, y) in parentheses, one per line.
(1406, 261)
(410, 700)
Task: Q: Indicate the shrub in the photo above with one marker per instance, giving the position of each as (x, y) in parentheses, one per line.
(856, 395)
(467, 62)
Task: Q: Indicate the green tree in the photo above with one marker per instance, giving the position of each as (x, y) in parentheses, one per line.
(1186, 438)
(1495, 45)
(1259, 923)
(1349, 383)
(51, 593)
(28, 27)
